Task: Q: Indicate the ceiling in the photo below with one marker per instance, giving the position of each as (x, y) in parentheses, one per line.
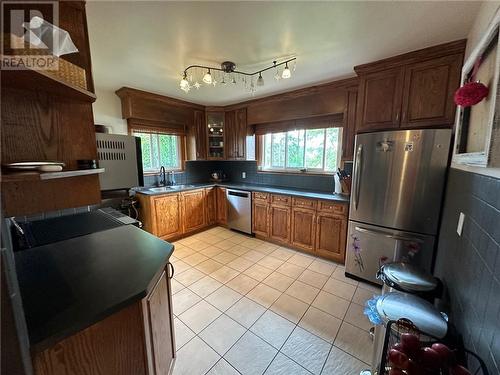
(147, 45)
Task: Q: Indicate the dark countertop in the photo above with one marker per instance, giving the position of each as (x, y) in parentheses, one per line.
(341, 198)
(69, 285)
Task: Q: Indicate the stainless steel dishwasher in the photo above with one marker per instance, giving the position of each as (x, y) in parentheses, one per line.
(239, 210)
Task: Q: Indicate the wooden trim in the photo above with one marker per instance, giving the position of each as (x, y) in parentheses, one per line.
(304, 91)
(171, 128)
(455, 47)
(311, 122)
(128, 92)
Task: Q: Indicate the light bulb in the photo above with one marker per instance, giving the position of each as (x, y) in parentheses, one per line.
(184, 83)
(286, 72)
(207, 78)
(260, 80)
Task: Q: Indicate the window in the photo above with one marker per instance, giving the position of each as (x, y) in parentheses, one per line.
(158, 150)
(316, 150)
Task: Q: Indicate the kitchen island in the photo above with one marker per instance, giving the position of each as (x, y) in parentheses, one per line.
(99, 303)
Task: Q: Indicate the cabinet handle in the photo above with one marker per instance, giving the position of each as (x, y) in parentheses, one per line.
(171, 267)
(397, 116)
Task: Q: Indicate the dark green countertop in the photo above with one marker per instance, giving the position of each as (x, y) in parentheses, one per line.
(69, 285)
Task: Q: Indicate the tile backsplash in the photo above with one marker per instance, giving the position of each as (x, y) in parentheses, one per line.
(199, 171)
(469, 264)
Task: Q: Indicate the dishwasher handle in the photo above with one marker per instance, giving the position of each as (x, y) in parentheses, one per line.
(236, 193)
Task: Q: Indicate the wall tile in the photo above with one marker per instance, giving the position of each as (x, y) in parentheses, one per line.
(469, 265)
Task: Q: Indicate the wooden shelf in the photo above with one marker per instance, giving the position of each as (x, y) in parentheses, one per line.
(43, 176)
(40, 80)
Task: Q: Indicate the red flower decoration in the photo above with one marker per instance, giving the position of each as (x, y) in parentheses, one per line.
(471, 93)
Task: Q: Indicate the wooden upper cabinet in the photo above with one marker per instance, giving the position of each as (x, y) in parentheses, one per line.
(211, 205)
(193, 203)
(260, 218)
(279, 227)
(428, 92)
(409, 91)
(167, 216)
(379, 99)
(200, 135)
(159, 325)
(221, 205)
(303, 228)
(349, 130)
(236, 132)
(331, 233)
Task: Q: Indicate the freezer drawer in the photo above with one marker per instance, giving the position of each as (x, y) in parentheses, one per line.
(369, 246)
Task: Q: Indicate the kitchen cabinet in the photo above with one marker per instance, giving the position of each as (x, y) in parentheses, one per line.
(409, 91)
(221, 205)
(303, 228)
(331, 235)
(211, 205)
(349, 130)
(316, 226)
(236, 132)
(260, 214)
(167, 216)
(216, 134)
(428, 92)
(193, 210)
(157, 310)
(200, 131)
(279, 227)
(379, 102)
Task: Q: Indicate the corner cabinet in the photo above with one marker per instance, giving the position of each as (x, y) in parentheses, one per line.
(413, 90)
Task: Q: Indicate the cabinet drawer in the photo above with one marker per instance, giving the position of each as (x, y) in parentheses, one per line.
(332, 207)
(304, 203)
(282, 200)
(261, 196)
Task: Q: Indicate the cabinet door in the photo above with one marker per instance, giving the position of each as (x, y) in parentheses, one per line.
(221, 206)
(331, 232)
(193, 203)
(160, 328)
(201, 135)
(303, 228)
(260, 218)
(167, 216)
(379, 100)
(230, 136)
(211, 205)
(279, 228)
(350, 124)
(428, 92)
(240, 138)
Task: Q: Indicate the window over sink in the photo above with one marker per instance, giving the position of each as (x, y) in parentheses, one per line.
(159, 149)
(302, 150)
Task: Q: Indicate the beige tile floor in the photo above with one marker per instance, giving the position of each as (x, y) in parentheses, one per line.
(246, 306)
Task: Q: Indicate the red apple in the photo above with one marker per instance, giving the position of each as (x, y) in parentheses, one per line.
(411, 344)
(447, 355)
(398, 359)
(429, 358)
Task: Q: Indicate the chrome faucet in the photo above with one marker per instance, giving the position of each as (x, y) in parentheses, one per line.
(163, 181)
(170, 178)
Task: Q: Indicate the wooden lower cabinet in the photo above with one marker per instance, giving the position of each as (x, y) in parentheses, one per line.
(221, 205)
(137, 340)
(260, 218)
(193, 205)
(303, 228)
(279, 228)
(313, 225)
(211, 205)
(331, 236)
(167, 216)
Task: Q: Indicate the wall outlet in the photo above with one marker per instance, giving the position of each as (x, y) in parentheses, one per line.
(460, 225)
(243, 174)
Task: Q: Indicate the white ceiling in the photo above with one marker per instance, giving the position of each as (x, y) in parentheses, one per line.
(147, 45)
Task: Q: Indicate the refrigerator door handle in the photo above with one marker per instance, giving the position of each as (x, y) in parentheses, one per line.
(357, 175)
(388, 235)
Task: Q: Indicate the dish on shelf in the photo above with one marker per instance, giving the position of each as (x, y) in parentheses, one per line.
(51, 166)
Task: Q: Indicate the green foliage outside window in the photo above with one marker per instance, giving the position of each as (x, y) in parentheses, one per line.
(159, 150)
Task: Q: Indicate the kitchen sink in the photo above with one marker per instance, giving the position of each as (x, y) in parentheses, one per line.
(164, 189)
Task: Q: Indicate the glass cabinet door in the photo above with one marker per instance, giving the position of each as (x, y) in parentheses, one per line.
(215, 124)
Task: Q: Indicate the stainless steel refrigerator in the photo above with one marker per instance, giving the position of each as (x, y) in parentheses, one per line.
(396, 199)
